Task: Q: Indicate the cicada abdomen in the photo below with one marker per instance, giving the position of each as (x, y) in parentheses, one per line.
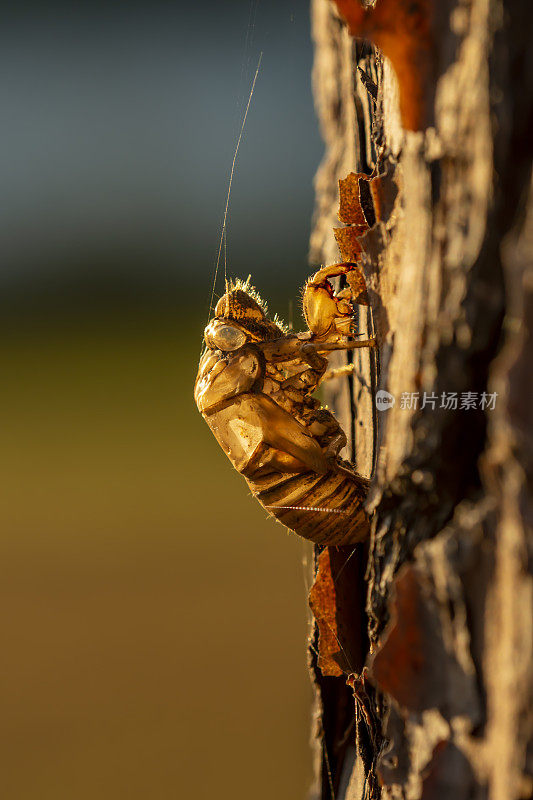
(327, 509)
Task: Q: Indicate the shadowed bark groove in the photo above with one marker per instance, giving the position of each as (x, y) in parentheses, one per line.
(436, 700)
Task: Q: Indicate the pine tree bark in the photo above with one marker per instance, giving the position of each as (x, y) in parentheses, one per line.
(434, 619)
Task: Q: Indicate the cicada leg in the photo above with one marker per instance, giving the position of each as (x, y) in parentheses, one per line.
(329, 313)
(337, 372)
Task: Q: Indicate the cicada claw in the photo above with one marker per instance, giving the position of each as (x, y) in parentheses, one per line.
(329, 313)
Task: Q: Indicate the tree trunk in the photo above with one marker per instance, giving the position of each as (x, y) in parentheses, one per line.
(422, 652)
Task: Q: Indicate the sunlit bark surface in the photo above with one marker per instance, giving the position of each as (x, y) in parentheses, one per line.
(436, 613)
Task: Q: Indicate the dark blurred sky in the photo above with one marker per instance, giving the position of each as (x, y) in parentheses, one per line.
(118, 128)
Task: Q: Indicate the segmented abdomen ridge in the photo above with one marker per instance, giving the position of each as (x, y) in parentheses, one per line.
(327, 509)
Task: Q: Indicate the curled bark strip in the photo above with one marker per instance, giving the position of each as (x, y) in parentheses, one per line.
(350, 207)
(363, 201)
(342, 643)
(322, 603)
(348, 243)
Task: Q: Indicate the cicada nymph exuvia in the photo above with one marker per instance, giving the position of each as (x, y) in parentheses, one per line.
(255, 388)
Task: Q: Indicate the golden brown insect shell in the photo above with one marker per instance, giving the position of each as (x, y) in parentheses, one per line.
(257, 400)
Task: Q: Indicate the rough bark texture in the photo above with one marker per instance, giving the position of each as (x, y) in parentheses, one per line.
(434, 700)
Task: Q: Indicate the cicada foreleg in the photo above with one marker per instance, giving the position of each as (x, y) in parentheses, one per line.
(329, 313)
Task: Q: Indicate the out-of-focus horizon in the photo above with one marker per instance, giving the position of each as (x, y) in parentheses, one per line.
(118, 135)
(154, 621)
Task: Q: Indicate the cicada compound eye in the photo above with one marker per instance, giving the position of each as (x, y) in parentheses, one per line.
(221, 336)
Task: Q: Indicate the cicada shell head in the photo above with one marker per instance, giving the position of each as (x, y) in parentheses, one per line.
(241, 304)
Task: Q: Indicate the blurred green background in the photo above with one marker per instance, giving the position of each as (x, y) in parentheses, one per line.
(153, 620)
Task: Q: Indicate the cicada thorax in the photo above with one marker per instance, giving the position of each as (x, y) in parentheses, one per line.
(253, 389)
